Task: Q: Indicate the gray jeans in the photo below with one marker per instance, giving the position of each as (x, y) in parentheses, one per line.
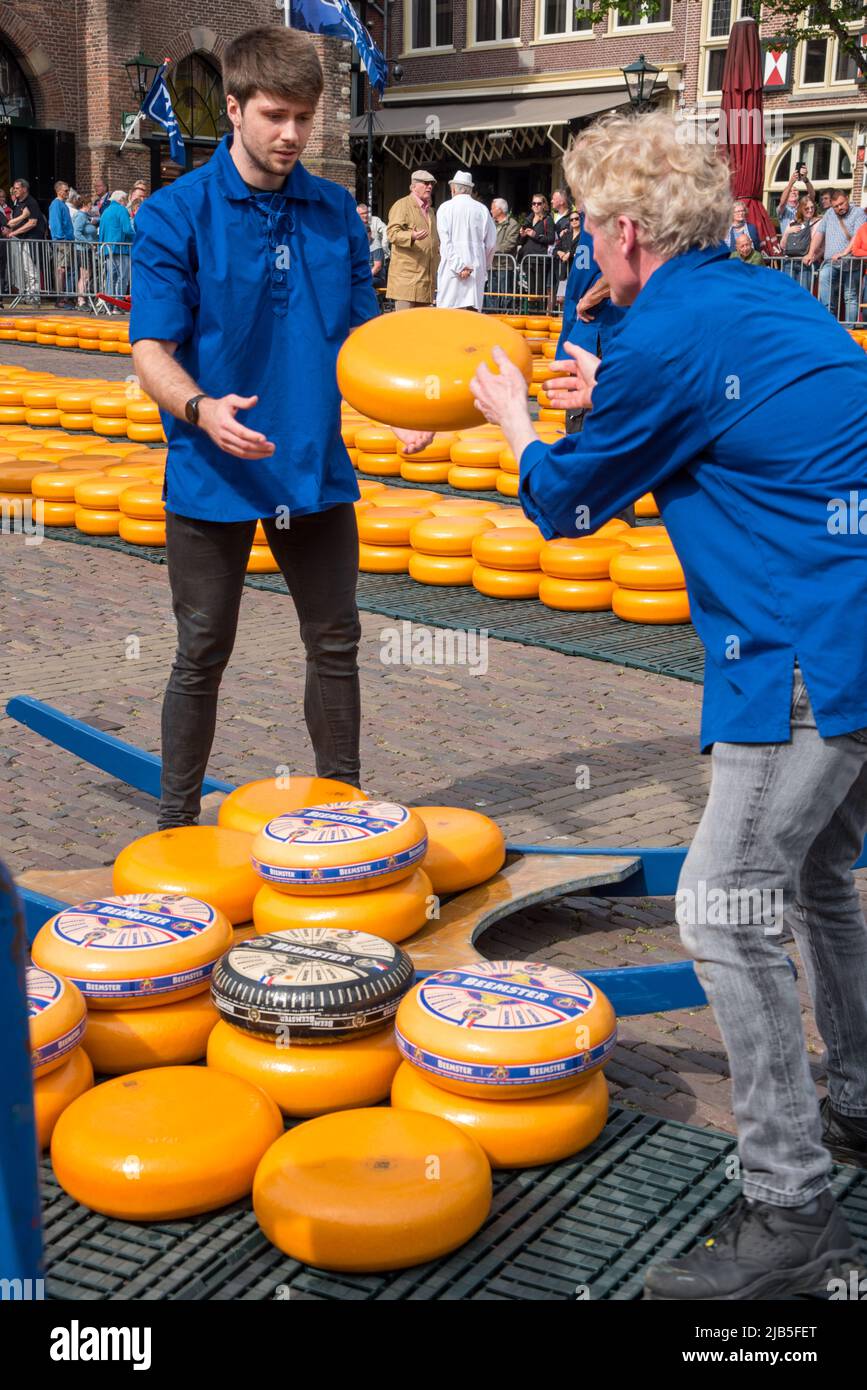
(783, 825)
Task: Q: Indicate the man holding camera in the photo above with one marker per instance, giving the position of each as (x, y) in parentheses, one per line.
(790, 196)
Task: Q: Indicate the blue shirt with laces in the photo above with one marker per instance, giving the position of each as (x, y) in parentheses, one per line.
(757, 458)
(259, 289)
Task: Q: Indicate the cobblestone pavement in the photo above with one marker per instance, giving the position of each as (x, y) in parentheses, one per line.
(512, 742)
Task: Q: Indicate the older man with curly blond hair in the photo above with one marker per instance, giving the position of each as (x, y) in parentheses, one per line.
(695, 401)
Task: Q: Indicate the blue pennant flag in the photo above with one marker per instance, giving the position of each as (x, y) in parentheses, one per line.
(338, 20)
(158, 106)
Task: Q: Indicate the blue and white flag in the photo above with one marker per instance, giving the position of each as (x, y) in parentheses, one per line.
(158, 106)
(338, 20)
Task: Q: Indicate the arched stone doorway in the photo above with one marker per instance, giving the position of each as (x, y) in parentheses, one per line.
(27, 150)
(196, 89)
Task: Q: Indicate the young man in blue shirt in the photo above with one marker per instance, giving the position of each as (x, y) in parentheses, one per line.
(694, 401)
(62, 235)
(248, 274)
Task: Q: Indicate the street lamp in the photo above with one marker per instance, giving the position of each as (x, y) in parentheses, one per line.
(640, 78)
(397, 76)
(141, 71)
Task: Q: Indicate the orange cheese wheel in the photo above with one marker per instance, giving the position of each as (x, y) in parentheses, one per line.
(384, 559)
(134, 950)
(199, 861)
(261, 561)
(41, 417)
(510, 549)
(645, 606)
(472, 479)
(11, 414)
(418, 375)
(307, 1080)
(477, 452)
(251, 806)
(143, 412)
(93, 522)
(376, 439)
(547, 413)
(59, 484)
(345, 847)
(123, 450)
(144, 502)
(448, 535)
(507, 583)
(353, 1191)
(54, 1092)
(56, 1016)
(102, 494)
(139, 532)
(441, 569)
(520, 1134)
(406, 497)
(640, 536)
(438, 449)
(369, 488)
(380, 465)
(506, 517)
(536, 323)
(588, 558)
(507, 461)
(109, 404)
(17, 477)
(464, 506)
(508, 485)
(485, 430)
(649, 567)
(503, 1029)
(42, 455)
(145, 433)
(75, 400)
(55, 513)
(389, 525)
(646, 506)
(394, 912)
(576, 595)
(173, 1034)
(463, 847)
(615, 527)
(415, 472)
(130, 471)
(164, 1143)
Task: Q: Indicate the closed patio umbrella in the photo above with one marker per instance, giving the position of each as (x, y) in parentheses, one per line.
(742, 138)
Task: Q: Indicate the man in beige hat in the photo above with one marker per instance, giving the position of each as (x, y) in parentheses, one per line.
(415, 248)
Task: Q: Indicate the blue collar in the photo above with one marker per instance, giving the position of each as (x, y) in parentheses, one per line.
(299, 184)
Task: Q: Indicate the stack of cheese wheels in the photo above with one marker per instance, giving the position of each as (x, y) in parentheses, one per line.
(57, 1017)
(370, 1190)
(261, 559)
(510, 1051)
(143, 514)
(443, 548)
(507, 478)
(142, 963)
(56, 492)
(308, 1015)
(475, 457)
(353, 865)
(143, 419)
(430, 464)
(211, 862)
(651, 587)
(97, 505)
(164, 1143)
(576, 574)
(109, 412)
(383, 536)
(376, 451)
(507, 562)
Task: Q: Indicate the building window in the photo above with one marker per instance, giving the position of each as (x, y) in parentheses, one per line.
(15, 98)
(432, 23)
(637, 16)
(196, 89)
(722, 14)
(828, 165)
(845, 68)
(716, 61)
(563, 17)
(497, 20)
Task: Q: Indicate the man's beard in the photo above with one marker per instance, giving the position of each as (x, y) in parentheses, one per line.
(260, 159)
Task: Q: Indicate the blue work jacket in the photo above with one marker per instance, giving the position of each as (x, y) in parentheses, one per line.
(583, 274)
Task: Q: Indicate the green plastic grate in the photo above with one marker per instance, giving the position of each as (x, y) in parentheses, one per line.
(667, 650)
(645, 1191)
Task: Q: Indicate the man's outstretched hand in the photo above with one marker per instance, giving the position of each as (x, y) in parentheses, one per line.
(574, 389)
(217, 419)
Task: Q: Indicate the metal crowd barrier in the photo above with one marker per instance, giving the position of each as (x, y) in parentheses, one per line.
(527, 286)
(31, 271)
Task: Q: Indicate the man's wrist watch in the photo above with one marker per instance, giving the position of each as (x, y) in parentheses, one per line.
(191, 409)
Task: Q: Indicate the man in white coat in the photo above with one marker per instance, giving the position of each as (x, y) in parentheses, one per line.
(468, 238)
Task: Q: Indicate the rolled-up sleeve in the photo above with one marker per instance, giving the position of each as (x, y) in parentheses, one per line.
(165, 292)
(642, 429)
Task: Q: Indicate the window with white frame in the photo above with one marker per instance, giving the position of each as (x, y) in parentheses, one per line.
(823, 62)
(721, 15)
(636, 16)
(562, 17)
(431, 23)
(827, 160)
(497, 20)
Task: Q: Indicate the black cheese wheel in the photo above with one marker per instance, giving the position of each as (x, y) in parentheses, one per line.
(314, 984)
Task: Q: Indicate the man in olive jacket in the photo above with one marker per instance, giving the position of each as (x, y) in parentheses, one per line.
(415, 247)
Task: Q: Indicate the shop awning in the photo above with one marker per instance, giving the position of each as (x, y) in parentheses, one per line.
(506, 113)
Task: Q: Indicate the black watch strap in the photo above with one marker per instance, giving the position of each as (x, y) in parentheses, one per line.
(191, 409)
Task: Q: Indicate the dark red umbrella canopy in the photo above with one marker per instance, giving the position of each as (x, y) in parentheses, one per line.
(742, 138)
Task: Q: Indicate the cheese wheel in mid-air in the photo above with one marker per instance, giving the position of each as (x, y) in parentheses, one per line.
(251, 806)
(162, 1144)
(170, 1035)
(306, 1081)
(57, 1018)
(201, 861)
(58, 1089)
(463, 847)
(417, 375)
(506, 1028)
(368, 1190)
(313, 984)
(134, 950)
(339, 848)
(516, 1133)
(394, 912)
